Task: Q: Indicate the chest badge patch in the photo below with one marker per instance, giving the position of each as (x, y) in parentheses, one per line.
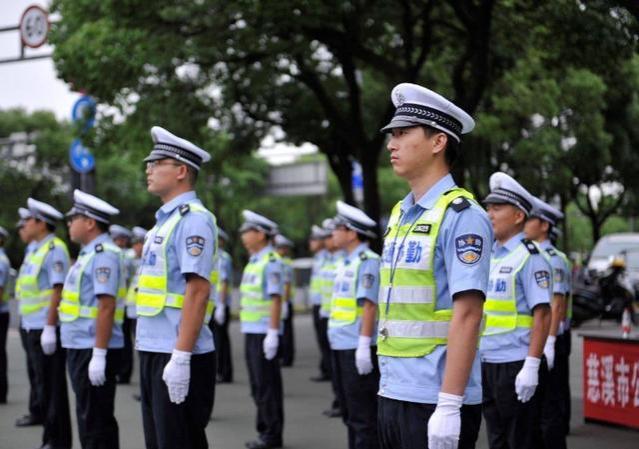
(542, 278)
(469, 248)
(422, 229)
(195, 245)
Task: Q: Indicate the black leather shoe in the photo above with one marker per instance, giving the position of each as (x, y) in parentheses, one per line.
(28, 420)
(332, 413)
(320, 378)
(259, 444)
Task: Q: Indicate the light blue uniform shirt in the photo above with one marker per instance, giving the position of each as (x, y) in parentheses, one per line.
(272, 284)
(225, 273)
(420, 379)
(53, 272)
(367, 289)
(513, 346)
(318, 260)
(5, 268)
(159, 333)
(562, 276)
(100, 277)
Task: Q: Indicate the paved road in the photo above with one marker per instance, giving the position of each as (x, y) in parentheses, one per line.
(233, 417)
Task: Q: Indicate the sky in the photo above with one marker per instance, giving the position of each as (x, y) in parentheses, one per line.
(33, 85)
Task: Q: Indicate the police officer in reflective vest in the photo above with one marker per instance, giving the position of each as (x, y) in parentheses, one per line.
(5, 267)
(219, 325)
(542, 219)
(34, 417)
(284, 246)
(319, 252)
(175, 300)
(122, 238)
(517, 323)
(262, 290)
(39, 289)
(91, 312)
(434, 279)
(327, 280)
(352, 326)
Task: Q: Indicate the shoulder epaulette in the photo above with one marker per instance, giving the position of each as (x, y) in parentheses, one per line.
(51, 244)
(459, 204)
(99, 248)
(184, 209)
(530, 246)
(551, 251)
(363, 255)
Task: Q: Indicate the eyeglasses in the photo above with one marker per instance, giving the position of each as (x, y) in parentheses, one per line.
(152, 165)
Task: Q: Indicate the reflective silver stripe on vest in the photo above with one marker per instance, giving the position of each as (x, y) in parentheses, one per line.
(407, 294)
(414, 329)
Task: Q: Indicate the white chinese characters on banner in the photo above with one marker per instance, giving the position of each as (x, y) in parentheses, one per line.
(612, 381)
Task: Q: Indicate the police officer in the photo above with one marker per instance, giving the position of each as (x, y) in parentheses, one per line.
(262, 290)
(122, 236)
(284, 246)
(91, 312)
(434, 279)
(175, 300)
(352, 326)
(518, 318)
(5, 268)
(543, 218)
(222, 318)
(39, 288)
(327, 281)
(316, 247)
(34, 417)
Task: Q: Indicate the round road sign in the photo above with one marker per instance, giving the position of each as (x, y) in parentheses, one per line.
(34, 26)
(80, 157)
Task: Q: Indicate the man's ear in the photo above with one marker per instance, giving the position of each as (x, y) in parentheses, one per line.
(520, 216)
(183, 172)
(440, 140)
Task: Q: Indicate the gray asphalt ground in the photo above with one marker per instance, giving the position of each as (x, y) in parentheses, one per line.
(233, 416)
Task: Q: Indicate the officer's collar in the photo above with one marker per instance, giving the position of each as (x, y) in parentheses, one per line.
(428, 200)
(175, 202)
(511, 244)
(357, 251)
(38, 245)
(258, 255)
(99, 239)
(545, 244)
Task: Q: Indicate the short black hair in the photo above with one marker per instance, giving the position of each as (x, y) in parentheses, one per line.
(50, 227)
(102, 226)
(452, 145)
(191, 174)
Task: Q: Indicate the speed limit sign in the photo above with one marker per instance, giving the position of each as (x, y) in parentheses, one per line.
(34, 26)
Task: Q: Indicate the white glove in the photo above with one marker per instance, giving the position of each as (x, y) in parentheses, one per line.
(286, 311)
(97, 367)
(527, 379)
(363, 361)
(48, 339)
(271, 343)
(444, 424)
(220, 314)
(549, 351)
(177, 375)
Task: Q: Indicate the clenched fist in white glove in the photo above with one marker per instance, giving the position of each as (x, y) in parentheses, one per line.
(48, 339)
(549, 351)
(363, 361)
(444, 425)
(271, 342)
(220, 314)
(97, 367)
(177, 375)
(527, 379)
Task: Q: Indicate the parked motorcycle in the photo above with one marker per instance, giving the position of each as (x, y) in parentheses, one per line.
(604, 296)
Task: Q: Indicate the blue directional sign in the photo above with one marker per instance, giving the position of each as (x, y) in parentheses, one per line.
(84, 112)
(80, 157)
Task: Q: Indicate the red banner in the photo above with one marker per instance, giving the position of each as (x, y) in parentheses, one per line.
(611, 381)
